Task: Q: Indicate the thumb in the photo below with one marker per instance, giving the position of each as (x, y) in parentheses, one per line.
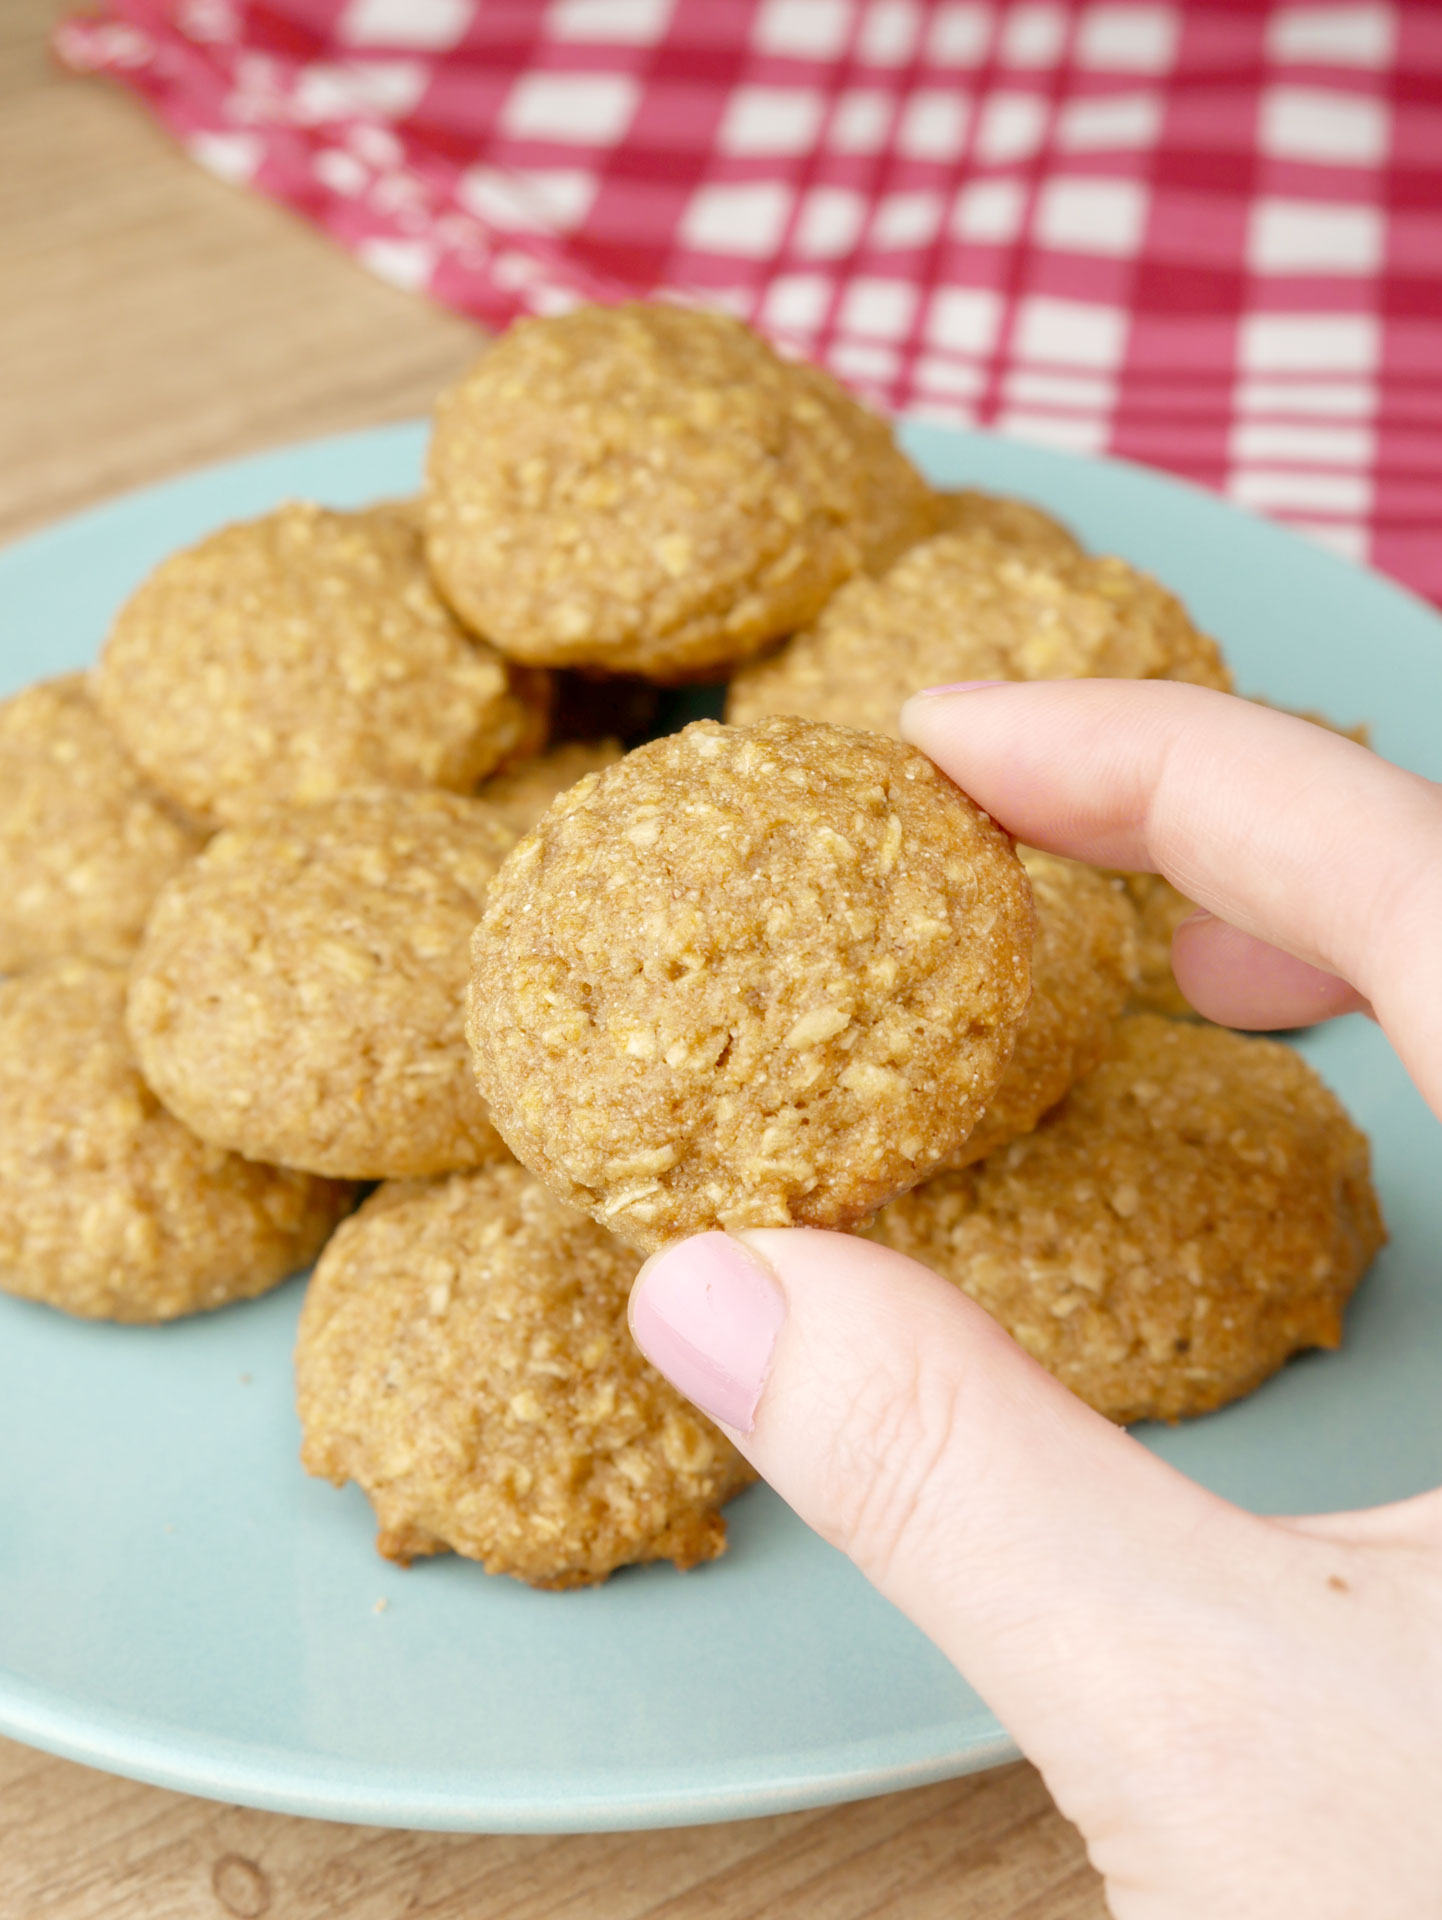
(1069, 1573)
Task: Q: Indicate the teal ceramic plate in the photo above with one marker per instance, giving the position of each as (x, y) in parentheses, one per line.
(178, 1602)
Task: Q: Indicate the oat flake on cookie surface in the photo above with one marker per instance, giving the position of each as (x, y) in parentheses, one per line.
(1197, 1209)
(300, 991)
(652, 490)
(287, 659)
(464, 1356)
(110, 1208)
(749, 977)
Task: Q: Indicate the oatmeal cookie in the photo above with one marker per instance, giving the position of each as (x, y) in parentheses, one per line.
(109, 1208)
(1160, 910)
(896, 505)
(1083, 965)
(1015, 523)
(966, 606)
(646, 489)
(521, 796)
(1197, 1210)
(85, 841)
(299, 994)
(464, 1357)
(749, 977)
(286, 659)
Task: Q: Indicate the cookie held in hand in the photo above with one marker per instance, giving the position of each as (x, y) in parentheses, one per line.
(762, 976)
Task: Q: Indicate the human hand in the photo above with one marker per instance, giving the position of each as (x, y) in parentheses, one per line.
(1242, 1715)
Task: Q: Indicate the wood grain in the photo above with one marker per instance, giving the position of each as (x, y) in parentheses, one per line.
(152, 320)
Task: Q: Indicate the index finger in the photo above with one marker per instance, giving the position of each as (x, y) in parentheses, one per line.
(1293, 834)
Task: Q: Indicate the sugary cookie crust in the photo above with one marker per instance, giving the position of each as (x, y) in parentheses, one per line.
(749, 978)
(109, 1208)
(1198, 1209)
(647, 489)
(967, 606)
(287, 659)
(299, 995)
(464, 1356)
(85, 841)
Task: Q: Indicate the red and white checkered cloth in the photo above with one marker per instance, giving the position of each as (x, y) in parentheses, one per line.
(1204, 236)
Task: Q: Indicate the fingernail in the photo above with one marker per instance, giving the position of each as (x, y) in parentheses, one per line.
(707, 1313)
(959, 686)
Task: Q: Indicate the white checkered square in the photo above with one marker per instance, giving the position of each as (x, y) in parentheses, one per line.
(432, 24)
(561, 197)
(1303, 236)
(989, 210)
(1309, 343)
(878, 309)
(737, 217)
(1311, 399)
(1290, 442)
(1332, 36)
(1093, 216)
(1324, 124)
(958, 34)
(964, 319)
(797, 302)
(864, 360)
(575, 109)
(802, 29)
(607, 22)
(1073, 433)
(388, 88)
(830, 223)
(1275, 490)
(1117, 122)
(933, 125)
(952, 377)
(1128, 39)
(405, 263)
(1087, 393)
(861, 120)
(771, 120)
(1033, 35)
(906, 219)
(1011, 127)
(235, 157)
(1070, 333)
(889, 31)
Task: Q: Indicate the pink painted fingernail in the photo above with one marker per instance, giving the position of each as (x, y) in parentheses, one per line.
(707, 1314)
(960, 686)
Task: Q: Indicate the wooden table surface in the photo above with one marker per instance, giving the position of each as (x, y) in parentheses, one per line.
(150, 320)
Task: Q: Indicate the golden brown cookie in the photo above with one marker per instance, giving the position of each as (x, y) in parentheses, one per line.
(464, 1357)
(749, 977)
(896, 505)
(286, 659)
(85, 840)
(1016, 523)
(1198, 1209)
(1160, 910)
(299, 994)
(969, 607)
(521, 796)
(646, 489)
(1083, 965)
(109, 1208)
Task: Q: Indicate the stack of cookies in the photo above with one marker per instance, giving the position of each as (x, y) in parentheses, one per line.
(333, 871)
